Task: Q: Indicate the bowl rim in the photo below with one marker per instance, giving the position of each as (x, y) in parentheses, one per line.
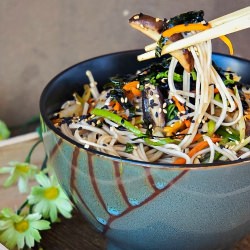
(74, 143)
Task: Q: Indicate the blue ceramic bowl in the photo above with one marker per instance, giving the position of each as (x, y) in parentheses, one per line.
(139, 205)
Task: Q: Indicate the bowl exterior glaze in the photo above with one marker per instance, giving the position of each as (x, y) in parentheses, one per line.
(143, 207)
(138, 206)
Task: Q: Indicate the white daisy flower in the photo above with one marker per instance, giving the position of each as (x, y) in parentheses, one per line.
(19, 172)
(49, 198)
(20, 231)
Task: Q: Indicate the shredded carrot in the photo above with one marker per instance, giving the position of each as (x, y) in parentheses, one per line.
(201, 145)
(196, 27)
(180, 107)
(132, 87)
(197, 137)
(216, 91)
(185, 131)
(112, 103)
(185, 28)
(136, 92)
(229, 44)
(117, 106)
(172, 129)
(187, 123)
(247, 117)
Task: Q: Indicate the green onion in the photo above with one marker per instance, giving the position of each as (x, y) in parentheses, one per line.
(126, 124)
(228, 133)
(210, 127)
(129, 148)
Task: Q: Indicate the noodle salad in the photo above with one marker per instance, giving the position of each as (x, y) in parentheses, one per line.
(181, 109)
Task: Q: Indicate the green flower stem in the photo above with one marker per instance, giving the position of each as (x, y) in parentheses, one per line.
(19, 210)
(27, 160)
(44, 164)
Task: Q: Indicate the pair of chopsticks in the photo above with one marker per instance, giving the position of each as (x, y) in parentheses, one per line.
(230, 23)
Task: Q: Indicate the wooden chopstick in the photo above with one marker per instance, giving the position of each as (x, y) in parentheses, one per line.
(224, 25)
(215, 22)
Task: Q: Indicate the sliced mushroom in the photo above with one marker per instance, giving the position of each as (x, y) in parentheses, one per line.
(152, 102)
(153, 27)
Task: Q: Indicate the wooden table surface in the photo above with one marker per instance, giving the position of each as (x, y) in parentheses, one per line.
(70, 234)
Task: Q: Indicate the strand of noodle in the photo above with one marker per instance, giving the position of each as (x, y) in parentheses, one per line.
(242, 128)
(173, 153)
(97, 146)
(223, 90)
(186, 86)
(185, 93)
(242, 144)
(85, 108)
(240, 109)
(211, 146)
(198, 104)
(244, 149)
(66, 130)
(154, 157)
(224, 101)
(212, 108)
(245, 155)
(112, 124)
(86, 126)
(93, 89)
(171, 85)
(142, 153)
(137, 155)
(165, 160)
(227, 154)
(128, 156)
(201, 152)
(104, 139)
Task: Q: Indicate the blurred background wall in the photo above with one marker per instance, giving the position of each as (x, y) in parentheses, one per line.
(38, 39)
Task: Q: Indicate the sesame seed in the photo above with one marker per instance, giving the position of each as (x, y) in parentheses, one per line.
(122, 100)
(86, 146)
(150, 126)
(126, 100)
(136, 17)
(93, 124)
(164, 105)
(164, 111)
(160, 110)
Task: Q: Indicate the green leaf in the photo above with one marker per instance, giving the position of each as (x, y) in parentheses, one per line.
(129, 148)
(4, 131)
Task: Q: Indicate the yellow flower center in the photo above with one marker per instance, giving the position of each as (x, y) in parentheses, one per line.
(51, 193)
(21, 226)
(22, 168)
